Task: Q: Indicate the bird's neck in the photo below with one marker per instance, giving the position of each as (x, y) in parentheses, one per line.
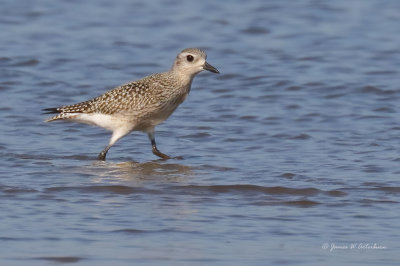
(183, 77)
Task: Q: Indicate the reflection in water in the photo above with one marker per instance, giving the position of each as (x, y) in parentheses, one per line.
(131, 171)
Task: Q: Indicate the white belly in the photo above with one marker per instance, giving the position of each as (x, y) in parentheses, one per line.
(109, 122)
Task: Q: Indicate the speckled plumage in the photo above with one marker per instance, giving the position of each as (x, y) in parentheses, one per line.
(133, 99)
(139, 105)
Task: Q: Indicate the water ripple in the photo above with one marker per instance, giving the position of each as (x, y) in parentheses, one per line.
(61, 259)
(254, 189)
(114, 189)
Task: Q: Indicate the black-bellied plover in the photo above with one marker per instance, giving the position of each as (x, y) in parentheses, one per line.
(139, 105)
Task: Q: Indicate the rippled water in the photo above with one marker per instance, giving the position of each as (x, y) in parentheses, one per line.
(294, 146)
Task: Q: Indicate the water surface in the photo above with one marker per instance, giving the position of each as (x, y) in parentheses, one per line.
(294, 146)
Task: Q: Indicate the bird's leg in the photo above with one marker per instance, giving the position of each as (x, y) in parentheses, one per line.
(103, 153)
(117, 134)
(154, 146)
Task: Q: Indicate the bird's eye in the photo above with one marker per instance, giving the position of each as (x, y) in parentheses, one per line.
(190, 58)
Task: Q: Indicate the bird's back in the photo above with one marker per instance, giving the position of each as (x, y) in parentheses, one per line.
(145, 97)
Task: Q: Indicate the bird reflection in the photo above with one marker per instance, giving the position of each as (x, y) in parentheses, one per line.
(131, 171)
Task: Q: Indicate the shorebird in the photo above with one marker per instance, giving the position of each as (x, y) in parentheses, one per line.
(139, 105)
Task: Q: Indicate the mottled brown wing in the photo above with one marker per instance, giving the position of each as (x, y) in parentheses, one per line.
(119, 99)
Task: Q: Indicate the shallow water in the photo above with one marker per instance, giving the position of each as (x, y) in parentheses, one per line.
(294, 146)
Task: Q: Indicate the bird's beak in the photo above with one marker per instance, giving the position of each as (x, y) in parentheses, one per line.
(210, 68)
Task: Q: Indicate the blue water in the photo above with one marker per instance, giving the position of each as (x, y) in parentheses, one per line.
(290, 155)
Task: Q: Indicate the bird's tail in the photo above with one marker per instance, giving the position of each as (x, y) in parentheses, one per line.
(58, 111)
(51, 111)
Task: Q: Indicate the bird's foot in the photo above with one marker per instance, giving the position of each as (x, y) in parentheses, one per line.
(102, 156)
(160, 154)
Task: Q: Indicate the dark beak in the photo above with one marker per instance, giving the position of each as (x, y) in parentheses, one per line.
(210, 68)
